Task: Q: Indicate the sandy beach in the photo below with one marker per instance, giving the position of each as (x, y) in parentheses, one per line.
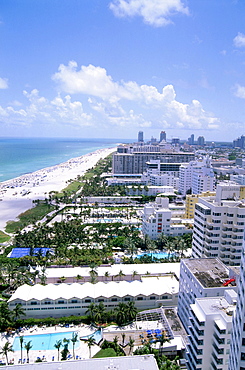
(17, 194)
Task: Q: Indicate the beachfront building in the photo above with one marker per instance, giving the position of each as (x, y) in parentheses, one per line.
(150, 190)
(219, 225)
(57, 300)
(131, 159)
(197, 177)
(210, 332)
(157, 219)
(202, 278)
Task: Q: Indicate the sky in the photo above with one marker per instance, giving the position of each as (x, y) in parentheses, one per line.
(111, 68)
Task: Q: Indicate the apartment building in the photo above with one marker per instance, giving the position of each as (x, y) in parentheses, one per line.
(210, 332)
(219, 225)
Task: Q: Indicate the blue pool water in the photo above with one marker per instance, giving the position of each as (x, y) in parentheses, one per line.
(44, 341)
(156, 255)
(97, 335)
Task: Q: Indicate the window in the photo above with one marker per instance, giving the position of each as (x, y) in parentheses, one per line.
(139, 298)
(33, 303)
(87, 300)
(114, 299)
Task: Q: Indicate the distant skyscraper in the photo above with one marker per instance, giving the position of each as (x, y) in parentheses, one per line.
(162, 136)
(140, 137)
(200, 141)
(191, 140)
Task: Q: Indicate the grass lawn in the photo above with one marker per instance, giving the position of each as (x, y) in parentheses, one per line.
(28, 217)
(3, 237)
(108, 352)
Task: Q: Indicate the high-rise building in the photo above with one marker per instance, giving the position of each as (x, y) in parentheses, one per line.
(201, 278)
(239, 142)
(140, 137)
(210, 332)
(163, 136)
(196, 177)
(237, 349)
(200, 141)
(191, 140)
(133, 159)
(219, 225)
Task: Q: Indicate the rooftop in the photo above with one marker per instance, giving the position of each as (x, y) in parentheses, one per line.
(209, 271)
(146, 362)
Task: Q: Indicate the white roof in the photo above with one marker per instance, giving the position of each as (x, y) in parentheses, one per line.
(146, 287)
(128, 269)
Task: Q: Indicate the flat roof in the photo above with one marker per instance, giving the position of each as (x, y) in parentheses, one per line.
(145, 362)
(210, 272)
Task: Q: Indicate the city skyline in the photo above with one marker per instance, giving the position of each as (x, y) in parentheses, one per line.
(113, 68)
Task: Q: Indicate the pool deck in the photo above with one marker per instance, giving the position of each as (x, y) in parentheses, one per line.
(81, 352)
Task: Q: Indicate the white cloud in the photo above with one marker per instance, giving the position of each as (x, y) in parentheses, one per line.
(154, 12)
(108, 99)
(239, 91)
(107, 103)
(239, 40)
(3, 83)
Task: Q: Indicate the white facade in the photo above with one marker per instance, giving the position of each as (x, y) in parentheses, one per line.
(201, 278)
(197, 176)
(156, 219)
(57, 300)
(219, 226)
(210, 332)
(237, 351)
(239, 179)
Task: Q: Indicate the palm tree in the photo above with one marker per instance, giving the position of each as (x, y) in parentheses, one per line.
(57, 345)
(131, 344)
(7, 347)
(107, 274)
(121, 314)
(90, 342)
(120, 274)
(74, 339)
(131, 311)
(18, 311)
(91, 310)
(123, 338)
(21, 338)
(28, 346)
(134, 273)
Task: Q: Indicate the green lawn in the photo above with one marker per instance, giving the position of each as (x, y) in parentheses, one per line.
(3, 237)
(28, 217)
(108, 352)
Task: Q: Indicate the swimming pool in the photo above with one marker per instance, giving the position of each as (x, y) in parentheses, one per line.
(44, 341)
(156, 255)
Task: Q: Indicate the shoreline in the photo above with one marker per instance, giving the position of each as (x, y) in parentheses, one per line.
(17, 194)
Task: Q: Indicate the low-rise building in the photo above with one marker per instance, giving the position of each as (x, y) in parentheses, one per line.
(57, 300)
(157, 219)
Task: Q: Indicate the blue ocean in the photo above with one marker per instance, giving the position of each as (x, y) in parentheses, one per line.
(19, 156)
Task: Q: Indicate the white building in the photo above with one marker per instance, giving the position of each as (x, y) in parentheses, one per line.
(239, 179)
(237, 350)
(219, 225)
(197, 176)
(57, 300)
(210, 332)
(157, 219)
(202, 278)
